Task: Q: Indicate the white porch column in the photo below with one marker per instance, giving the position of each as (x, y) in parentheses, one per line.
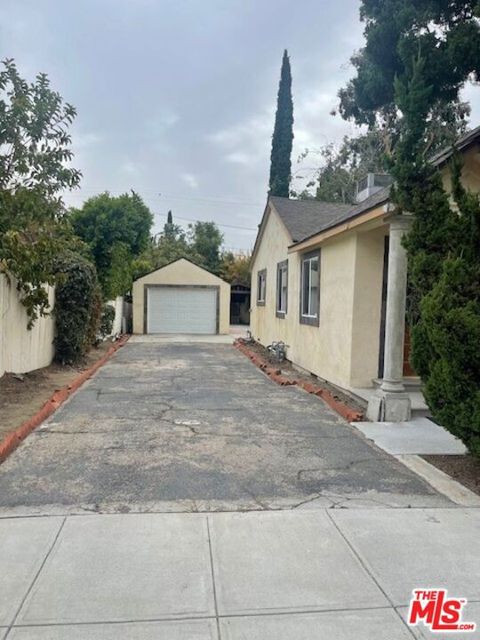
(391, 403)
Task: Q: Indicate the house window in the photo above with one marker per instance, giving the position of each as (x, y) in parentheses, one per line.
(310, 289)
(261, 287)
(282, 289)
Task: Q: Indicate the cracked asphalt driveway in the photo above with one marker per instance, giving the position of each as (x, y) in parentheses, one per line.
(195, 426)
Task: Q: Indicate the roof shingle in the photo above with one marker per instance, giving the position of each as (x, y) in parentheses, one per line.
(305, 217)
(355, 210)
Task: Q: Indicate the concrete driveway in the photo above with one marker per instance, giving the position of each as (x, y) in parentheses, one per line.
(192, 427)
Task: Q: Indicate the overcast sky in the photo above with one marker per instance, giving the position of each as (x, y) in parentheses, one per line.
(176, 98)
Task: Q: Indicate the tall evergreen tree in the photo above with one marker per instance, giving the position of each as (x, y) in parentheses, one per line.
(171, 231)
(280, 159)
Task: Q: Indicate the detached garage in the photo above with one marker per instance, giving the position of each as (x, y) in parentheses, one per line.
(181, 298)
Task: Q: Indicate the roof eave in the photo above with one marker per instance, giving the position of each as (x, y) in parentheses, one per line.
(343, 225)
(470, 140)
(261, 227)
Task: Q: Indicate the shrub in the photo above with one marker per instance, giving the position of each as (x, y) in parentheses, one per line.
(77, 307)
(450, 322)
(444, 253)
(95, 317)
(106, 320)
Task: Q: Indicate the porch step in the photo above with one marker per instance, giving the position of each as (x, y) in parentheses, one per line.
(421, 413)
(412, 387)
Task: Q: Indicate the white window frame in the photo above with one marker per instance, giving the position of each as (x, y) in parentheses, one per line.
(261, 287)
(312, 317)
(282, 289)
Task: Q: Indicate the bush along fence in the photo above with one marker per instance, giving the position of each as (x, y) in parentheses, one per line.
(57, 334)
(275, 374)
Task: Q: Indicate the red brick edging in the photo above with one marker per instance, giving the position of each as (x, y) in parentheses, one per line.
(276, 375)
(13, 439)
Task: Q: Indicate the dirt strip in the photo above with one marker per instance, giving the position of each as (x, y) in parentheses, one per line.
(14, 438)
(335, 402)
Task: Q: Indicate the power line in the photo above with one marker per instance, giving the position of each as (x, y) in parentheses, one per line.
(207, 200)
(212, 200)
(219, 224)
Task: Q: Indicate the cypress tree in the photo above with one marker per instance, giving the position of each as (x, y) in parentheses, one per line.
(280, 159)
(170, 230)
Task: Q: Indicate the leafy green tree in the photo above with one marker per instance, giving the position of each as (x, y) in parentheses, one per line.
(444, 33)
(341, 169)
(205, 241)
(120, 274)
(163, 248)
(235, 267)
(34, 135)
(117, 230)
(417, 57)
(201, 244)
(282, 140)
(34, 168)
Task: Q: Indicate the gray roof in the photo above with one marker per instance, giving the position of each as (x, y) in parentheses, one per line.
(355, 210)
(305, 217)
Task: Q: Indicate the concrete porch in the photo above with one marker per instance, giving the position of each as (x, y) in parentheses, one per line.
(416, 436)
(413, 390)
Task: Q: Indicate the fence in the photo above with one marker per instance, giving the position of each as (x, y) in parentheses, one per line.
(123, 315)
(23, 350)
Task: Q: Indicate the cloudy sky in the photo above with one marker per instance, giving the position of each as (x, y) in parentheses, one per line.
(176, 98)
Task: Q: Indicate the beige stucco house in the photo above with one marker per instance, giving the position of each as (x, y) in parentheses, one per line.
(330, 281)
(181, 297)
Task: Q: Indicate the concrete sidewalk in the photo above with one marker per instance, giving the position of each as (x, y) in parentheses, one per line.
(333, 573)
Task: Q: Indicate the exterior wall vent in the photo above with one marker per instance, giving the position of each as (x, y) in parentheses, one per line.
(372, 183)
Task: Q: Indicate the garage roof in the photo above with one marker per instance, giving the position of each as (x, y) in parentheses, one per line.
(164, 266)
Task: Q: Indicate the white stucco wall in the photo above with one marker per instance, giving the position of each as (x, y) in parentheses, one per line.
(21, 349)
(367, 304)
(181, 272)
(343, 349)
(470, 171)
(264, 324)
(117, 304)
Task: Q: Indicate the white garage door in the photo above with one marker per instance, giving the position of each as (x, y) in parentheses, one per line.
(181, 310)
